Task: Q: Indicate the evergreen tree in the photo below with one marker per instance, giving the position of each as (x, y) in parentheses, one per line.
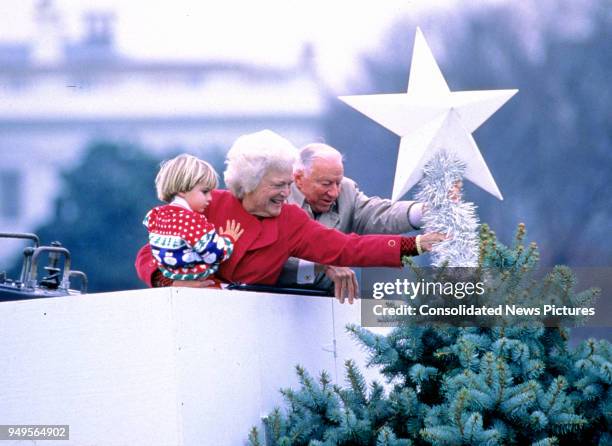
(514, 383)
(463, 386)
(99, 212)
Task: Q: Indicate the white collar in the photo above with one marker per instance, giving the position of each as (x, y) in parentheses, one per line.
(181, 202)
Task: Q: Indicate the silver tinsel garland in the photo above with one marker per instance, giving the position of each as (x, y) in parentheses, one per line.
(457, 219)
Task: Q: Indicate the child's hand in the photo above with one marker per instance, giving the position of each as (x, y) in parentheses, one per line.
(232, 229)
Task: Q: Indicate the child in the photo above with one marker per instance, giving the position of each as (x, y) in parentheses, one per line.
(184, 244)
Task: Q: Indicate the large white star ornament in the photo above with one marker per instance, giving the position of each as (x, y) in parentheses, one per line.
(429, 118)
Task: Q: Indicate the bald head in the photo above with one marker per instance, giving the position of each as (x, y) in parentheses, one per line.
(311, 152)
(318, 174)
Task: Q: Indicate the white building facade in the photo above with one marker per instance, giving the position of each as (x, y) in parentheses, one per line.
(58, 96)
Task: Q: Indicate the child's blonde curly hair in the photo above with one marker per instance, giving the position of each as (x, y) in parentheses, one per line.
(182, 174)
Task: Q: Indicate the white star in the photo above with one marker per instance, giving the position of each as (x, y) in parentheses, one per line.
(429, 118)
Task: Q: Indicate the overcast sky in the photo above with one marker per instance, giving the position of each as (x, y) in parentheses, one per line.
(263, 31)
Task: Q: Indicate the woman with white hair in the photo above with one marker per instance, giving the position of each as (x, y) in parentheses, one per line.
(259, 174)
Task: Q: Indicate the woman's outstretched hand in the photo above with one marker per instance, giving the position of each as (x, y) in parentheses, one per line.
(431, 238)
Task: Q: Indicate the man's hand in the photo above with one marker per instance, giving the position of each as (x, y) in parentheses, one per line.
(456, 191)
(345, 282)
